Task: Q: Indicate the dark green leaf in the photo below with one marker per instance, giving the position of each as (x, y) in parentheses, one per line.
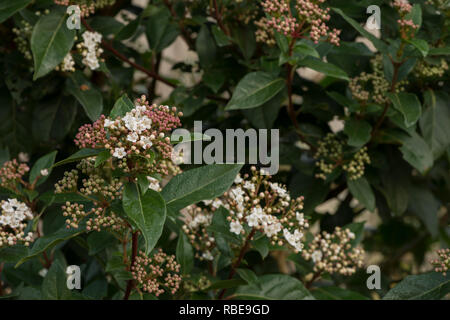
(358, 132)
(274, 287)
(185, 254)
(362, 191)
(379, 44)
(87, 95)
(77, 156)
(326, 68)
(8, 8)
(45, 162)
(147, 211)
(121, 107)
(50, 42)
(435, 122)
(204, 183)
(408, 105)
(255, 89)
(54, 286)
(49, 241)
(428, 286)
(160, 31)
(417, 153)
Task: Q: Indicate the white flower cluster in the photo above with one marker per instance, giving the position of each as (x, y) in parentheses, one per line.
(12, 223)
(196, 223)
(137, 122)
(14, 212)
(68, 64)
(267, 207)
(90, 49)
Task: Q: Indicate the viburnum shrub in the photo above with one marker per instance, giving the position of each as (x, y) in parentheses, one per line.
(93, 94)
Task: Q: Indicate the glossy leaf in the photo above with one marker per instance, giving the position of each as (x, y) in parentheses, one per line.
(198, 184)
(255, 89)
(50, 42)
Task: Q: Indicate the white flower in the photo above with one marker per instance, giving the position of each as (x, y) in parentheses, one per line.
(249, 186)
(272, 229)
(108, 123)
(316, 256)
(252, 220)
(23, 157)
(236, 227)
(300, 218)
(14, 212)
(44, 172)
(294, 239)
(281, 191)
(68, 63)
(133, 137)
(119, 153)
(238, 179)
(207, 256)
(237, 194)
(216, 203)
(147, 142)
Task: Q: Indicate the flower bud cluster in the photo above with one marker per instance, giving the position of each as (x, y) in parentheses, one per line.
(90, 49)
(99, 191)
(330, 155)
(139, 134)
(334, 253)
(22, 39)
(157, 274)
(356, 166)
(423, 69)
(442, 263)
(407, 26)
(196, 222)
(372, 87)
(13, 223)
(87, 7)
(11, 172)
(199, 284)
(264, 32)
(309, 17)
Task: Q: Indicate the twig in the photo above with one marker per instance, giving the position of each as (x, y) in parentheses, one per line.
(244, 249)
(185, 35)
(314, 278)
(109, 47)
(148, 72)
(134, 248)
(218, 17)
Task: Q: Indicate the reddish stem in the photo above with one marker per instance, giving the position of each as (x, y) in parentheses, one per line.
(134, 249)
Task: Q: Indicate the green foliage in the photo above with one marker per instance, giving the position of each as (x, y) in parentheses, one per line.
(364, 137)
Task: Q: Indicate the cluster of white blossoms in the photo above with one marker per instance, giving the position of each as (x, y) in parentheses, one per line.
(196, 222)
(136, 122)
(13, 222)
(266, 207)
(255, 207)
(90, 49)
(141, 135)
(68, 64)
